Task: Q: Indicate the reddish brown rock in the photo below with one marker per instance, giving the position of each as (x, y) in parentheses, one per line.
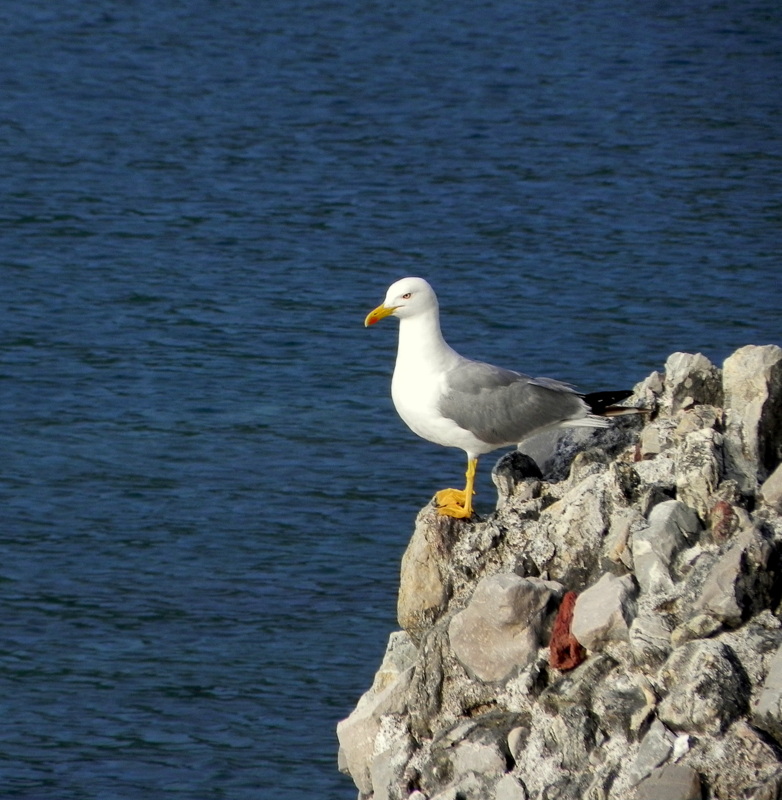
(565, 652)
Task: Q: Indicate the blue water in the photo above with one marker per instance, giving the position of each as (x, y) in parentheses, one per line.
(204, 490)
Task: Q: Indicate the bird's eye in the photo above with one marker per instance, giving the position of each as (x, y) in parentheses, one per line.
(407, 296)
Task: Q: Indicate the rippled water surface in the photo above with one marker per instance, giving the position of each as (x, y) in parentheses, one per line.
(204, 490)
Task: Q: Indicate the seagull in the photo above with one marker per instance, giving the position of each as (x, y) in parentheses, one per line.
(456, 402)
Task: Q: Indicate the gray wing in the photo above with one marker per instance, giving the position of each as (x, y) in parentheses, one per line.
(503, 407)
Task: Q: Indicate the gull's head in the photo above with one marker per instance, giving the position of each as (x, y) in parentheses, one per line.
(407, 297)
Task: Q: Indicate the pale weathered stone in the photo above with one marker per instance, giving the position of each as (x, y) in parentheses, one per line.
(603, 612)
(672, 525)
(624, 523)
(508, 788)
(357, 733)
(699, 469)
(771, 490)
(499, 631)
(697, 418)
(671, 782)
(739, 580)
(468, 750)
(515, 472)
(650, 637)
(622, 704)
(691, 379)
(656, 747)
(706, 687)
(484, 758)
(767, 713)
(423, 589)
(651, 443)
(752, 380)
(577, 524)
(400, 654)
(387, 769)
(697, 627)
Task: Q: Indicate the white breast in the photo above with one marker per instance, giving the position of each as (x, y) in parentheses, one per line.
(416, 392)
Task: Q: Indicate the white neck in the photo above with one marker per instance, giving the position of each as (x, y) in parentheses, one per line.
(421, 340)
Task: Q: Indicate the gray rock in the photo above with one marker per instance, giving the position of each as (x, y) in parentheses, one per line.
(400, 654)
(470, 748)
(696, 658)
(740, 581)
(651, 443)
(752, 381)
(699, 626)
(672, 526)
(690, 380)
(706, 688)
(672, 782)
(499, 631)
(578, 686)
(571, 530)
(513, 471)
(656, 747)
(603, 612)
(509, 788)
(424, 589)
(387, 769)
(767, 714)
(357, 733)
(650, 637)
(771, 490)
(699, 469)
(623, 704)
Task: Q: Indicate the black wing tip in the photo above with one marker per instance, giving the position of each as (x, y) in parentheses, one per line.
(600, 402)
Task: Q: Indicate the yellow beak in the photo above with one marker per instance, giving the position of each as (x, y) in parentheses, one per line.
(379, 313)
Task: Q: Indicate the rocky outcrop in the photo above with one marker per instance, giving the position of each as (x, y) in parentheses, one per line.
(612, 631)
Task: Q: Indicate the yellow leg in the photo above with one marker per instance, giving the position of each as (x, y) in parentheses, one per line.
(455, 502)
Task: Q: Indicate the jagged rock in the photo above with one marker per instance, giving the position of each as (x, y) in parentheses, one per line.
(393, 748)
(577, 524)
(706, 688)
(685, 696)
(671, 782)
(470, 748)
(741, 763)
(752, 381)
(512, 470)
(699, 469)
(400, 654)
(650, 442)
(500, 629)
(771, 490)
(740, 581)
(424, 589)
(699, 626)
(690, 380)
(508, 788)
(767, 713)
(578, 686)
(672, 525)
(624, 523)
(357, 733)
(656, 747)
(650, 635)
(623, 704)
(603, 612)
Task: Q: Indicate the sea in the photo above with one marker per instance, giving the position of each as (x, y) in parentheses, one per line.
(205, 491)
